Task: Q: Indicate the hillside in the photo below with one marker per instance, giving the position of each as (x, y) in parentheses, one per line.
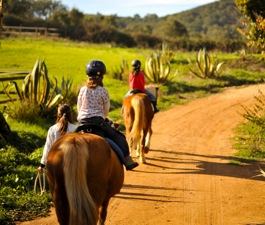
(215, 21)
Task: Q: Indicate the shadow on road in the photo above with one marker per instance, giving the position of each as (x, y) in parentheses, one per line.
(172, 162)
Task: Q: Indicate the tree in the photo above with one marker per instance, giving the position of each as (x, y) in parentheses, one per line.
(254, 11)
(42, 8)
(5, 131)
(20, 8)
(1, 14)
(45, 8)
(170, 28)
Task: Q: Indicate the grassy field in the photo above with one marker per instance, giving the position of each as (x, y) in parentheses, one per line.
(19, 160)
(64, 58)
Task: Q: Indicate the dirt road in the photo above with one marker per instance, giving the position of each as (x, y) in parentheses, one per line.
(188, 178)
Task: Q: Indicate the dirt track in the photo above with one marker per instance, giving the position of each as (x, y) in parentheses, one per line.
(188, 179)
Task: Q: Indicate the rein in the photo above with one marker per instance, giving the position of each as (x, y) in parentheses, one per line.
(41, 183)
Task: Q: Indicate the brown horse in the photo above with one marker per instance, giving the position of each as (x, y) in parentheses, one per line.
(138, 114)
(83, 174)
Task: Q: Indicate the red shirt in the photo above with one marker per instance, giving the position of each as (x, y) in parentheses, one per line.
(137, 81)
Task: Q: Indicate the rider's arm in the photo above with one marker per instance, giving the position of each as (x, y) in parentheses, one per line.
(51, 138)
(106, 105)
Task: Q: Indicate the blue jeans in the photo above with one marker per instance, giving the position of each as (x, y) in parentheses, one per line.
(149, 94)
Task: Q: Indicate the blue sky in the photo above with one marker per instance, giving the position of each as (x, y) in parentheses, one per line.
(132, 7)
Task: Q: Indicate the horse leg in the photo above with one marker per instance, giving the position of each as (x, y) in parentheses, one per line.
(130, 143)
(138, 149)
(147, 141)
(103, 212)
(141, 150)
(62, 212)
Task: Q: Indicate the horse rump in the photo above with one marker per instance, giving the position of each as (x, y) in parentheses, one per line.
(138, 115)
(79, 169)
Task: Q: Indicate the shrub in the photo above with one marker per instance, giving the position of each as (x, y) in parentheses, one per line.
(251, 137)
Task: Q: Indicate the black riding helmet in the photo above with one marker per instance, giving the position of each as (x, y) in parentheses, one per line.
(136, 64)
(95, 69)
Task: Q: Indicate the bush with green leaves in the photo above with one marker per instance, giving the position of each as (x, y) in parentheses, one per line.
(207, 65)
(251, 134)
(254, 13)
(257, 114)
(17, 176)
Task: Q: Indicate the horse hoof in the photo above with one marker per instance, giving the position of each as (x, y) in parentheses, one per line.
(146, 150)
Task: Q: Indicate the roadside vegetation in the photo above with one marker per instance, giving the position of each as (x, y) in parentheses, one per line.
(21, 150)
(250, 134)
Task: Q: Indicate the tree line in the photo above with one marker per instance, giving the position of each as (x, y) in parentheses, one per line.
(212, 26)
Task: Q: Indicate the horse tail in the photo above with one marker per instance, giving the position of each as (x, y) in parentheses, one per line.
(139, 107)
(82, 208)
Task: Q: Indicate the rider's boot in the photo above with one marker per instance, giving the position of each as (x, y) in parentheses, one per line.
(155, 108)
(129, 163)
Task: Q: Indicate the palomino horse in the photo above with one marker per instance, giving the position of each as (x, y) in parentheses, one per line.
(138, 114)
(83, 174)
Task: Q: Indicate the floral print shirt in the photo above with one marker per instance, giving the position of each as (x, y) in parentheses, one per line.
(93, 102)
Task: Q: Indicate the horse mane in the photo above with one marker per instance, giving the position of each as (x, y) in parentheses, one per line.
(139, 108)
(76, 154)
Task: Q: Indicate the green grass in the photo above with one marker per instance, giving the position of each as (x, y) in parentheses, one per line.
(249, 142)
(63, 58)
(249, 139)
(19, 160)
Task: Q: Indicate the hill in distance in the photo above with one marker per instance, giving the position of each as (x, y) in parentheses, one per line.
(214, 21)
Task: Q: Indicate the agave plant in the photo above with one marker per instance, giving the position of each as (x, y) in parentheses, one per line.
(166, 51)
(208, 65)
(38, 89)
(157, 68)
(119, 72)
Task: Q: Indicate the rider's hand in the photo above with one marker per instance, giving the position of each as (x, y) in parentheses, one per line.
(40, 170)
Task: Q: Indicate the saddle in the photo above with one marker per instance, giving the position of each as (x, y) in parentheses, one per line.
(98, 130)
(91, 128)
(135, 91)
